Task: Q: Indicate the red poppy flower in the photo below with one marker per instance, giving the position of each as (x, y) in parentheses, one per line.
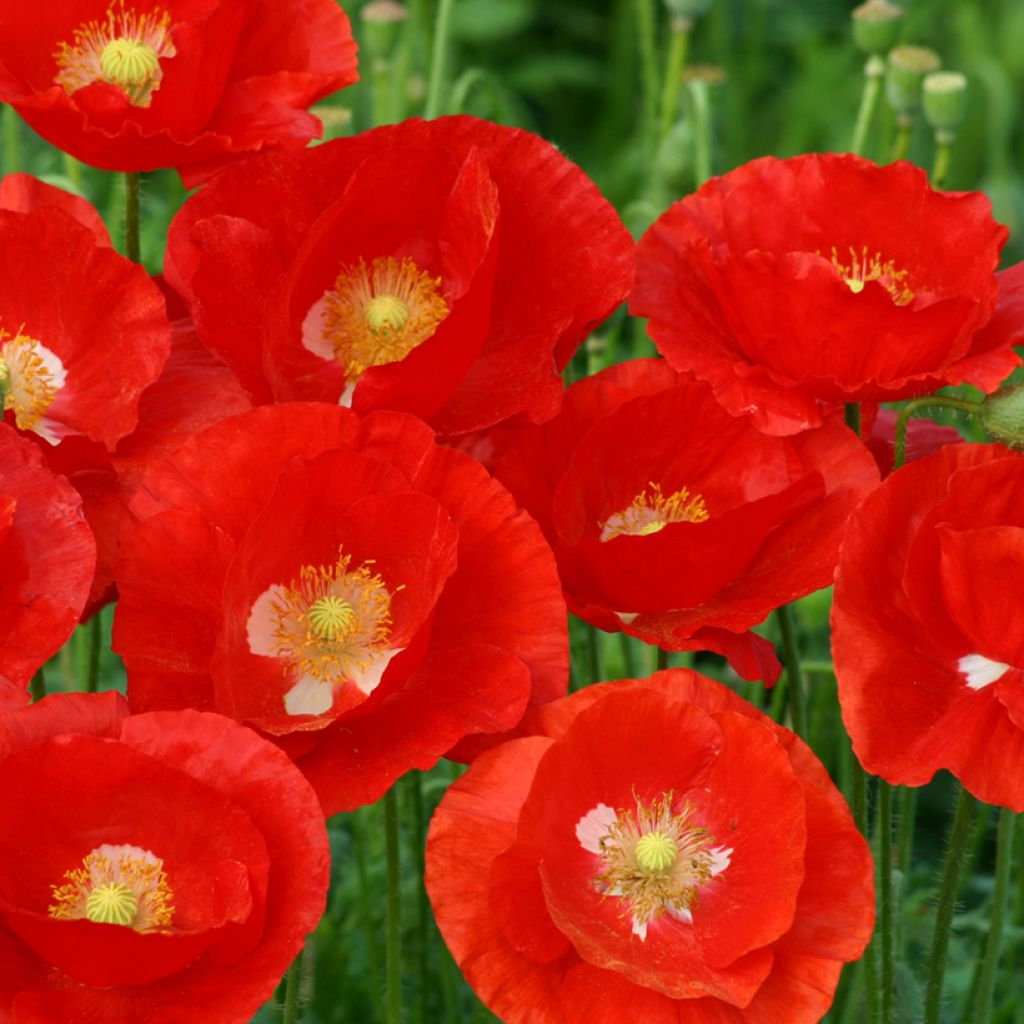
(153, 869)
(83, 330)
(48, 555)
(133, 86)
(445, 268)
(676, 522)
(786, 283)
(657, 850)
(350, 588)
(194, 390)
(928, 624)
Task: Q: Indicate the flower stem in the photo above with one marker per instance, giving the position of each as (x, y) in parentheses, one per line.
(394, 949)
(701, 131)
(959, 835)
(293, 980)
(439, 58)
(679, 44)
(937, 401)
(593, 654)
(648, 66)
(1000, 896)
(365, 912)
(37, 688)
(874, 73)
(11, 140)
(132, 239)
(415, 783)
(852, 413)
(901, 145)
(794, 674)
(92, 676)
(886, 909)
(940, 168)
(662, 659)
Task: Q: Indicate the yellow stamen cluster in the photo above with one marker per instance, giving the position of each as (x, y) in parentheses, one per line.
(122, 885)
(863, 268)
(378, 313)
(655, 860)
(27, 386)
(124, 50)
(650, 512)
(331, 621)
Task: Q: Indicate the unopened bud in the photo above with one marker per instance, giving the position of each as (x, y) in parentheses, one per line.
(689, 10)
(1002, 416)
(944, 98)
(876, 26)
(381, 21)
(907, 67)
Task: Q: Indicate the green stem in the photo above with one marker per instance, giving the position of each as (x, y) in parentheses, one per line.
(593, 654)
(132, 238)
(415, 780)
(701, 131)
(382, 84)
(370, 931)
(439, 59)
(852, 413)
(940, 168)
(293, 981)
(886, 909)
(947, 902)
(37, 688)
(874, 75)
(679, 44)
(901, 145)
(1000, 898)
(394, 948)
(794, 675)
(628, 656)
(645, 20)
(907, 815)
(92, 677)
(937, 401)
(11, 140)
(662, 659)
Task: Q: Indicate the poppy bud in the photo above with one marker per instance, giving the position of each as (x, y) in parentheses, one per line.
(907, 67)
(876, 26)
(1002, 416)
(944, 98)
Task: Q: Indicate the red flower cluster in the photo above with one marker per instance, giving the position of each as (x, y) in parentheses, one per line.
(153, 869)
(83, 330)
(445, 268)
(361, 594)
(928, 624)
(677, 522)
(657, 850)
(824, 278)
(133, 86)
(48, 555)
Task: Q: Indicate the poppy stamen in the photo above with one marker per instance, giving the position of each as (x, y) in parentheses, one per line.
(30, 377)
(650, 512)
(125, 51)
(122, 885)
(862, 268)
(654, 859)
(379, 312)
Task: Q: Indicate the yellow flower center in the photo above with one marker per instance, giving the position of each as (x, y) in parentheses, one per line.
(332, 621)
(112, 904)
(657, 861)
(656, 853)
(124, 50)
(30, 377)
(378, 313)
(122, 885)
(650, 512)
(331, 618)
(862, 268)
